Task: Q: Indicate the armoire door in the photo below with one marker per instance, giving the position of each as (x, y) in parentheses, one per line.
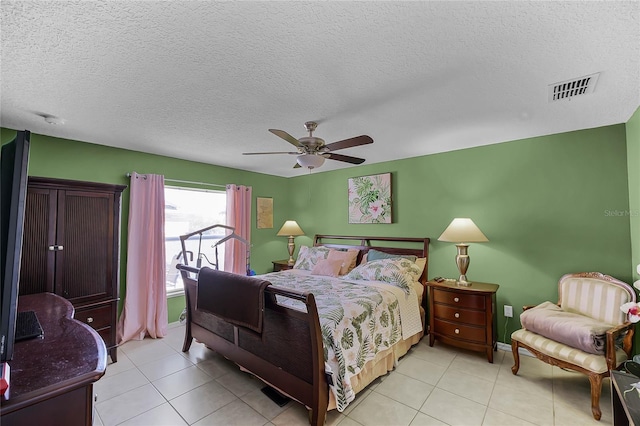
(85, 228)
(37, 270)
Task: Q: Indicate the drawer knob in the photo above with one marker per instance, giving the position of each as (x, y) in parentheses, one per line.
(457, 331)
(90, 320)
(456, 299)
(457, 315)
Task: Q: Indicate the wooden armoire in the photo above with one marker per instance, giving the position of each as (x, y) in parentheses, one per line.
(71, 246)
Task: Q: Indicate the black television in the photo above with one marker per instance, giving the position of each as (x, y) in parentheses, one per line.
(14, 161)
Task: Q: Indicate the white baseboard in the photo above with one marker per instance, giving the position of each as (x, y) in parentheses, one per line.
(506, 347)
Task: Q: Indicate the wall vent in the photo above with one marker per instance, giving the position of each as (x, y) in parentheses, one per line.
(574, 87)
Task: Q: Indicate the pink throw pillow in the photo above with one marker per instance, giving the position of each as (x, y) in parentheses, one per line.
(347, 259)
(326, 267)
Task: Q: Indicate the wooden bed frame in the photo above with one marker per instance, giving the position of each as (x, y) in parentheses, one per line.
(288, 354)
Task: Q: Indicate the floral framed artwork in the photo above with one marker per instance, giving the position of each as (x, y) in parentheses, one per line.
(370, 199)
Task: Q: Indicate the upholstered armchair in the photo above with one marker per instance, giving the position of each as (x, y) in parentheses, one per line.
(586, 331)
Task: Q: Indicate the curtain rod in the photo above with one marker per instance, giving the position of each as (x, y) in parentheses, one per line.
(189, 182)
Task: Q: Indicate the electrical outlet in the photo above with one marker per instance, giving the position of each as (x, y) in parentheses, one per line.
(508, 311)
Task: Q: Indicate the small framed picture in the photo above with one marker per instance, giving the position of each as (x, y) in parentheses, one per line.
(264, 214)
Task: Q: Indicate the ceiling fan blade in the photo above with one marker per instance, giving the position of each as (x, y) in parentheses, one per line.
(286, 136)
(348, 143)
(345, 158)
(279, 152)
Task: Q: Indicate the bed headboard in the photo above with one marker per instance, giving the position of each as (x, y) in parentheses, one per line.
(394, 245)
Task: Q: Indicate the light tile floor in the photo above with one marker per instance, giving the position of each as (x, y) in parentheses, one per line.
(154, 383)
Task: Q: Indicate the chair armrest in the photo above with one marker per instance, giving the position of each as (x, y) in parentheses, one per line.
(612, 334)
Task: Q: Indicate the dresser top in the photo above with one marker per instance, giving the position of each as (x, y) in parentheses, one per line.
(475, 287)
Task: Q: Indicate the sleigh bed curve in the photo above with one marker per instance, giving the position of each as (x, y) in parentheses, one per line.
(288, 352)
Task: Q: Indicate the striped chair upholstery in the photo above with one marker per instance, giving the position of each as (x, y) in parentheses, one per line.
(594, 298)
(557, 350)
(597, 296)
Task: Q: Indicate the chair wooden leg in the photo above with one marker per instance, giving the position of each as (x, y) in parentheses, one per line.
(516, 357)
(596, 389)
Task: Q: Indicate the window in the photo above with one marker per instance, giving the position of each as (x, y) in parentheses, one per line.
(188, 210)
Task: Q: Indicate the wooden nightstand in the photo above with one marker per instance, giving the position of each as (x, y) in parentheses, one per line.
(463, 316)
(281, 265)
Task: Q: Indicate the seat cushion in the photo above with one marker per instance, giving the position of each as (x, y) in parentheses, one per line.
(575, 330)
(560, 351)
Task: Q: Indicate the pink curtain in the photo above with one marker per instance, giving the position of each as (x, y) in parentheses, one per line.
(238, 216)
(145, 303)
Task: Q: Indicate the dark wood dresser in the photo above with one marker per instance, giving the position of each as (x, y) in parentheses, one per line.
(464, 316)
(52, 377)
(71, 247)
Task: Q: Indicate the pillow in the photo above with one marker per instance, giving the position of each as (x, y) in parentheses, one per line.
(347, 259)
(376, 255)
(421, 262)
(575, 330)
(400, 272)
(327, 267)
(309, 256)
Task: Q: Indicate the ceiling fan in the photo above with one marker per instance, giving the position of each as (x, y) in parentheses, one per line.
(312, 151)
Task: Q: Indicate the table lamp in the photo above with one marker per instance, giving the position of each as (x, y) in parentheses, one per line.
(462, 231)
(290, 229)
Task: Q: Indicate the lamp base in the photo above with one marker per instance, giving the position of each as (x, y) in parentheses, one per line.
(291, 246)
(462, 262)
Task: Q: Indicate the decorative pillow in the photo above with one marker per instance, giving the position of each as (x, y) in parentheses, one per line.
(327, 267)
(347, 258)
(376, 255)
(400, 272)
(575, 330)
(309, 256)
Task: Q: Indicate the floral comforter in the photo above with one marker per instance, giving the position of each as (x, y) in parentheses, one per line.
(357, 322)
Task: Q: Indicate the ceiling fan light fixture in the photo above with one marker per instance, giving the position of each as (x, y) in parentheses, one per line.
(310, 161)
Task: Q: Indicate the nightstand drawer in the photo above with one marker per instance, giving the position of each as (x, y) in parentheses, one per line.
(455, 314)
(473, 301)
(460, 331)
(281, 265)
(96, 318)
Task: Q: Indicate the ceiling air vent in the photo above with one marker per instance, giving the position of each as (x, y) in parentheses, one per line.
(575, 87)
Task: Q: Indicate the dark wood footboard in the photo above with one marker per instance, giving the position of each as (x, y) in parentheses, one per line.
(288, 354)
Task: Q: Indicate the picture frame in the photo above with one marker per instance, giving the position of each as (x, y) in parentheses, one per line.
(370, 199)
(264, 213)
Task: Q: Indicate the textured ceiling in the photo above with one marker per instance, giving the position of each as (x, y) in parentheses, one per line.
(204, 81)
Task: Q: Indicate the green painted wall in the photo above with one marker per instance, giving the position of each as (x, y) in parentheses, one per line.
(67, 159)
(542, 203)
(633, 165)
(548, 205)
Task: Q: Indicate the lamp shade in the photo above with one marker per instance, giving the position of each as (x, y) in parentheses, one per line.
(290, 228)
(310, 161)
(462, 230)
